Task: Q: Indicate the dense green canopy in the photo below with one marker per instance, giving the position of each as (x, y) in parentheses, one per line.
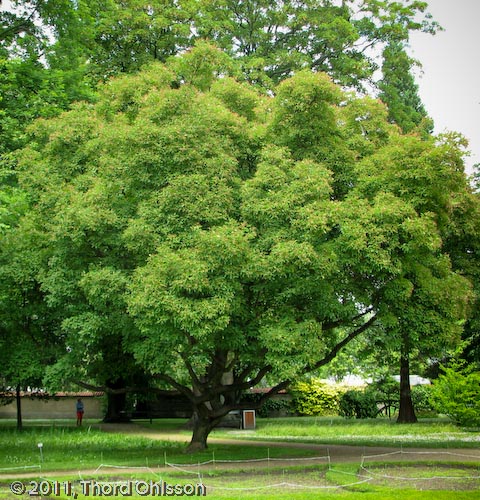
(186, 226)
(223, 237)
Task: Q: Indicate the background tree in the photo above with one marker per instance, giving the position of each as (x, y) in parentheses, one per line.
(463, 243)
(28, 91)
(110, 37)
(432, 182)
(460, 240)
(27, 326)
(273, 40)
(399, 91)
(38, 76)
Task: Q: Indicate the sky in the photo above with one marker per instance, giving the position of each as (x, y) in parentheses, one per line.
(449, 84)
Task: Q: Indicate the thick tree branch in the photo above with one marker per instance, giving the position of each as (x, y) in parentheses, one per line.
(325, 360)
(244, 374)
(340, 345)
(339, 322)
(186, 391)
(235, 387)
(23, 25)
(195, 380)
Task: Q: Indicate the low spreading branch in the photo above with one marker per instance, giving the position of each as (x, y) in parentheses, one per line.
(125, 390)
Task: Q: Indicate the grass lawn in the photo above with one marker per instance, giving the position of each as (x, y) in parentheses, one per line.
(429, 433)
(66, 448)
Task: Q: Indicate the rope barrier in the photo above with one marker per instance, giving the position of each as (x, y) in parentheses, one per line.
(107, 466)
(439, 452)
(402, 452)
(185, 471)
(400, 478)
(266, 459)
(364, 474)
(423, 453)
(139, 467)
(21, 467)
(292, 485)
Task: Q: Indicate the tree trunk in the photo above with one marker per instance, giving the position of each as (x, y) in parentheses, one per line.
(116, 404)
(19, 409)
(202, 426)
(406, 414)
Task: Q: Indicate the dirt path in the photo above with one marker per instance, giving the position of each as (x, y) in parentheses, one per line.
(336, 453)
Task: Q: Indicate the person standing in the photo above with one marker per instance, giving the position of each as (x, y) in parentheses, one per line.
(80, 411)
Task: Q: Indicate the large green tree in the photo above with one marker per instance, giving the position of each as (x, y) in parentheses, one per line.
(224, 237)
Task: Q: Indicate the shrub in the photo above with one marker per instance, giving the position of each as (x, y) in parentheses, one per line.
(387, 394)
(422, 398)
(358, 404)
(386, 391)
(270, 406)
(315, 398)
(456, 393)
(275, 406)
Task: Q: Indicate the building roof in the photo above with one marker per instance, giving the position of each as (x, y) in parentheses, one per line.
(44, 394)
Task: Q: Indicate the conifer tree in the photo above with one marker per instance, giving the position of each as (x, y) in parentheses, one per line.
(399, 91)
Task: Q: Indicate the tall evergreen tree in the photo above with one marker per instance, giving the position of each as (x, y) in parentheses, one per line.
(399, 91)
